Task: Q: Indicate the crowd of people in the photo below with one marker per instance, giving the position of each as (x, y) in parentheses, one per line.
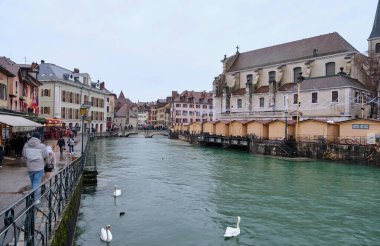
(40, 159)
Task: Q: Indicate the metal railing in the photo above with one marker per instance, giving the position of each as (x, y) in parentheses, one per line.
(27, 223)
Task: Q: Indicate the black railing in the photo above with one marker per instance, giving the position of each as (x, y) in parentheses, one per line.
(27, 223)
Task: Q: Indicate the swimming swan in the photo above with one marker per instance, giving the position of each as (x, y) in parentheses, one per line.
(117, 191)
(105, 234)
(233, 232)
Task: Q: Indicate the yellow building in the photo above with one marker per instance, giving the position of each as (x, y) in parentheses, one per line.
(358, 128)
(314, 129)
(276, 129)
(222, 128)
(195, 128)
(238, 128)
(209, 127)
(259, 128)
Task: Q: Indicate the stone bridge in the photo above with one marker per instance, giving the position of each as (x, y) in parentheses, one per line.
(146, 133)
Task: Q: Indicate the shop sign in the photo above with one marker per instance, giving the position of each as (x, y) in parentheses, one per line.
(360, 126)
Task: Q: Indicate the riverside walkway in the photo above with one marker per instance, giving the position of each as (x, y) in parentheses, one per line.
(14, 178)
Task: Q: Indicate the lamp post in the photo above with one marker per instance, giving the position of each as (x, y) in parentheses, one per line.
(83, 113)
(300, 78)
(286, 116)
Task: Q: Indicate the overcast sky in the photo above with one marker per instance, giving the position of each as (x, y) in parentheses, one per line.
(149, 48)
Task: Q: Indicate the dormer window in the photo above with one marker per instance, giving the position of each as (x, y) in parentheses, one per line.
(330, 68)
(272, 76)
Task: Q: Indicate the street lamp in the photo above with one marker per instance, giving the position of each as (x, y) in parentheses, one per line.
(83, 113)
(300, 78)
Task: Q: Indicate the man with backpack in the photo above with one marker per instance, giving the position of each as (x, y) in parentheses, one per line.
(70, 143)
(35, 152)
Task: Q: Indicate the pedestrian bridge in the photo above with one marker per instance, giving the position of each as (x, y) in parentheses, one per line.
(146, 133)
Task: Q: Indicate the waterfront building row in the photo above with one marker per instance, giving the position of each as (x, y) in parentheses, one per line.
(308, 130)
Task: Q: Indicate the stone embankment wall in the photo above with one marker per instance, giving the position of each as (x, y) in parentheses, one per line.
(355, 154)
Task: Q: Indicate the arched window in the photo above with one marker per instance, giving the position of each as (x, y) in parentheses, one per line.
(46, 93)
(377, 48)
(330, 68)
(296, 73)
(249, 79)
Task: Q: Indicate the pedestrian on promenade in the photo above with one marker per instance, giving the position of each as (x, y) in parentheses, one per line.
(1, 156)
(50, 163)
(70, 144)
(35, 152)
(61, 143)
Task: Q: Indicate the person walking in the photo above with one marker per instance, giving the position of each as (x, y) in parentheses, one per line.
(50, 163)
(61, 143)
(35, 152)
(70, 143)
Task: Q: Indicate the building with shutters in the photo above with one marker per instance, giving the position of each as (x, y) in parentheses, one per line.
(63, 92)
(267, 84)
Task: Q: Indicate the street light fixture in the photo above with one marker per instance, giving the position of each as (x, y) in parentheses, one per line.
(83, 113)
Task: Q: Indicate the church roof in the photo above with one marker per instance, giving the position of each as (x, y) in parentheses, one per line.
(308, 48)
(376, 24)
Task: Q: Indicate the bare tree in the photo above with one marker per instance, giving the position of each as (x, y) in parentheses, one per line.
(369, 67)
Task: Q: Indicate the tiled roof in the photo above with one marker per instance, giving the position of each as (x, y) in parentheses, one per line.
(240, 91)
(123, 111)
(9, 65)
(262, 89)
(286, 86)
(327, 44)
(6, 71)
(376, 24)
(336, 81)
(193, 96)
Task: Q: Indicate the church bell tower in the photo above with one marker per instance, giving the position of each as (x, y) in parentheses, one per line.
(374, 37)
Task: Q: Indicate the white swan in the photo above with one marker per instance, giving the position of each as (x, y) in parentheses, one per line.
(233, 232)
(105, 234)
(117, 191)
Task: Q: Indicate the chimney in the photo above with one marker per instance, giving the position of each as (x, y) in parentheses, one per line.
(76, 70)
(102, 85)
(42, 61)
(315, 52)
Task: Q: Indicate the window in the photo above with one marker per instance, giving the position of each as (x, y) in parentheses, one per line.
(184, 105)
(3, 92)
(261, 102)
(184, 113)
(239, 103)
(249, 79)
(178, 105)
(296, 73)
(377, 48)
(295, 98)
(204, 106)
(46, 93)
(191, 106)
(334, 96)
(198, 106)
(314, 97)
(108, 100)
(330, 68)
(108, 109)
(357, 97)
(184, 120)
(272, 76)
(210, 107)
(63, 113)
(63, 96)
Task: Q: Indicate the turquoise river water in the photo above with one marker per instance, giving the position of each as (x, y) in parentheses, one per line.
(174, 193)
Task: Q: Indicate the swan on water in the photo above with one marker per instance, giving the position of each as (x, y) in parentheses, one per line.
(233, 232)
(117, 191)
(105, 234)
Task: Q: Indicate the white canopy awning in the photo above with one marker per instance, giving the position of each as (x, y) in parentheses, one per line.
(18, 123)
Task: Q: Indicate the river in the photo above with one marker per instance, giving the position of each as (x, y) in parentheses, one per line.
(174, 193)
